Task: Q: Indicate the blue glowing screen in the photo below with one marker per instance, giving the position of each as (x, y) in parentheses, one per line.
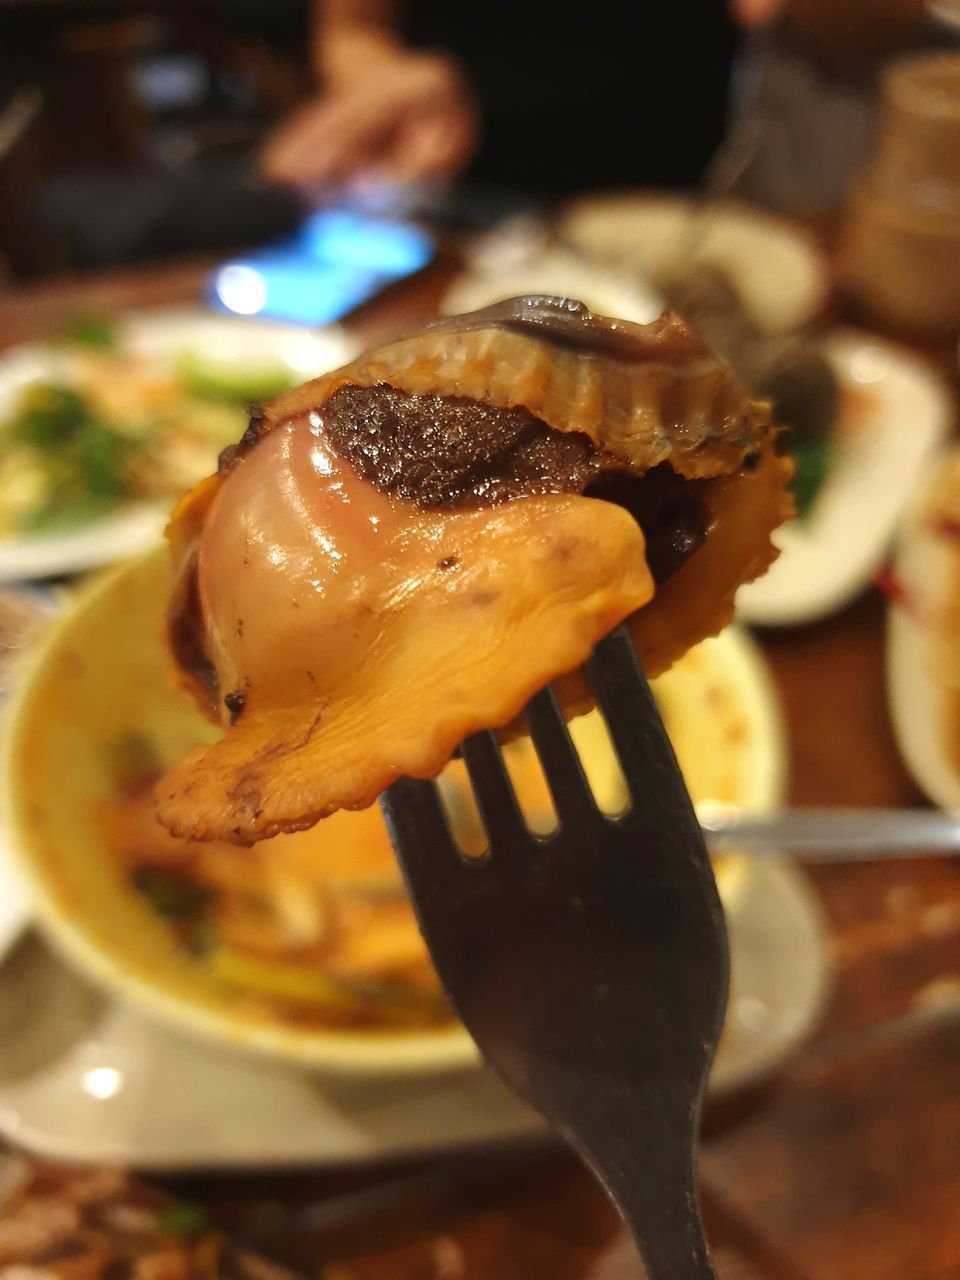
(337, 259)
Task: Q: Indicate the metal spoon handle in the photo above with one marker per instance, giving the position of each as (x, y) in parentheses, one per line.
(836, 835)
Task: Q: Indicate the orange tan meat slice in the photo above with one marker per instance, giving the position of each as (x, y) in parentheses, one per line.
(387, 638)
(346, 633)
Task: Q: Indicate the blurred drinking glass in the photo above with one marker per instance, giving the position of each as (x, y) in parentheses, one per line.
(900, 241)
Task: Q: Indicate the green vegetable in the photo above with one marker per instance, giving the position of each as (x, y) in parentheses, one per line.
(48, 416)
(85, 462)
(306, 988)
(233, 383)
(812, 459)
(200, 936)
(292, 983)
(135, 758)
(180, 1219)
(91, 331)
(57, 514)
(170, 894)
(101, 456)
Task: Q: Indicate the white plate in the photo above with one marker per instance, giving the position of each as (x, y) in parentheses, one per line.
(83, 1077)
(220, 338)
(15, 909)
(778, 268)
(897, 412)
(919, 704)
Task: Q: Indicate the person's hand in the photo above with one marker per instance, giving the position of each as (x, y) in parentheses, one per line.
(399, 117)
(840, 33)
(756, 13)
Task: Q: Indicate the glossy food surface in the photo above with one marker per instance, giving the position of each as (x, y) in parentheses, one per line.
(402, 552)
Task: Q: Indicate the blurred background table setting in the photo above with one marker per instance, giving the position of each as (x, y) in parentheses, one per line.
(205, 204)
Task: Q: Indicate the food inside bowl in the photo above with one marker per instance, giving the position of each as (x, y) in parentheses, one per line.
(95, 719)
(314, 930)
(402, 552)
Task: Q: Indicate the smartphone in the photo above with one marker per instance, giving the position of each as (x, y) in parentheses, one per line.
(337, 259)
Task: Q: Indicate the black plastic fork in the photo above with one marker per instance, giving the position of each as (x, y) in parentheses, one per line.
(590, 966)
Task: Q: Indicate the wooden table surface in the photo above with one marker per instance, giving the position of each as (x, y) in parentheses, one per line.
(846, 1165)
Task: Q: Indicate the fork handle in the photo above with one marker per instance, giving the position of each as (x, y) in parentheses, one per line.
(676, 1248)
(655, 1191)
(833, 834)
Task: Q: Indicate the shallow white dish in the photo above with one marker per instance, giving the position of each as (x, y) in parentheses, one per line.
(896, 413)
(136, 526)
(779, 270)
(919, 703)
(84, 1077)
(87, 1076)
(15, 909)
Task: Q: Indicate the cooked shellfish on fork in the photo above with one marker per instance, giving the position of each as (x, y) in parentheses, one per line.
(401, 552)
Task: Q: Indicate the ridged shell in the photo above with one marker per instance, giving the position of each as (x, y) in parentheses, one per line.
(673, 400)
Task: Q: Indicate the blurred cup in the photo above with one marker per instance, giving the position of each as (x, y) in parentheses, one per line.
(901, 262)
(899, 253)
(918, 142)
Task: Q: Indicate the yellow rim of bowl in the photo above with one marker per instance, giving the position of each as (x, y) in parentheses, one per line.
(406, 1053)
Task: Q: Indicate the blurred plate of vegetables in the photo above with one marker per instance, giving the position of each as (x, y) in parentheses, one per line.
(858, 451)
(102, 428)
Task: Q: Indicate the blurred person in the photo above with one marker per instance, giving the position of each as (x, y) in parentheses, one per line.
(548, 96)
(808, 91)
(843, 35)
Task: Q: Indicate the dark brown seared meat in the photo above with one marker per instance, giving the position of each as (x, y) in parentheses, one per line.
(187, 641)
(442, 451)
(669, 509)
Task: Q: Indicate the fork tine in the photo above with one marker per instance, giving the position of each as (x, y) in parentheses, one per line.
(572, 796)
(420, 833)
(623, 696)
(496, 799)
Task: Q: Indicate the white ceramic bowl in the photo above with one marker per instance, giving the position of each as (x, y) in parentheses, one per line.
(778, 268)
